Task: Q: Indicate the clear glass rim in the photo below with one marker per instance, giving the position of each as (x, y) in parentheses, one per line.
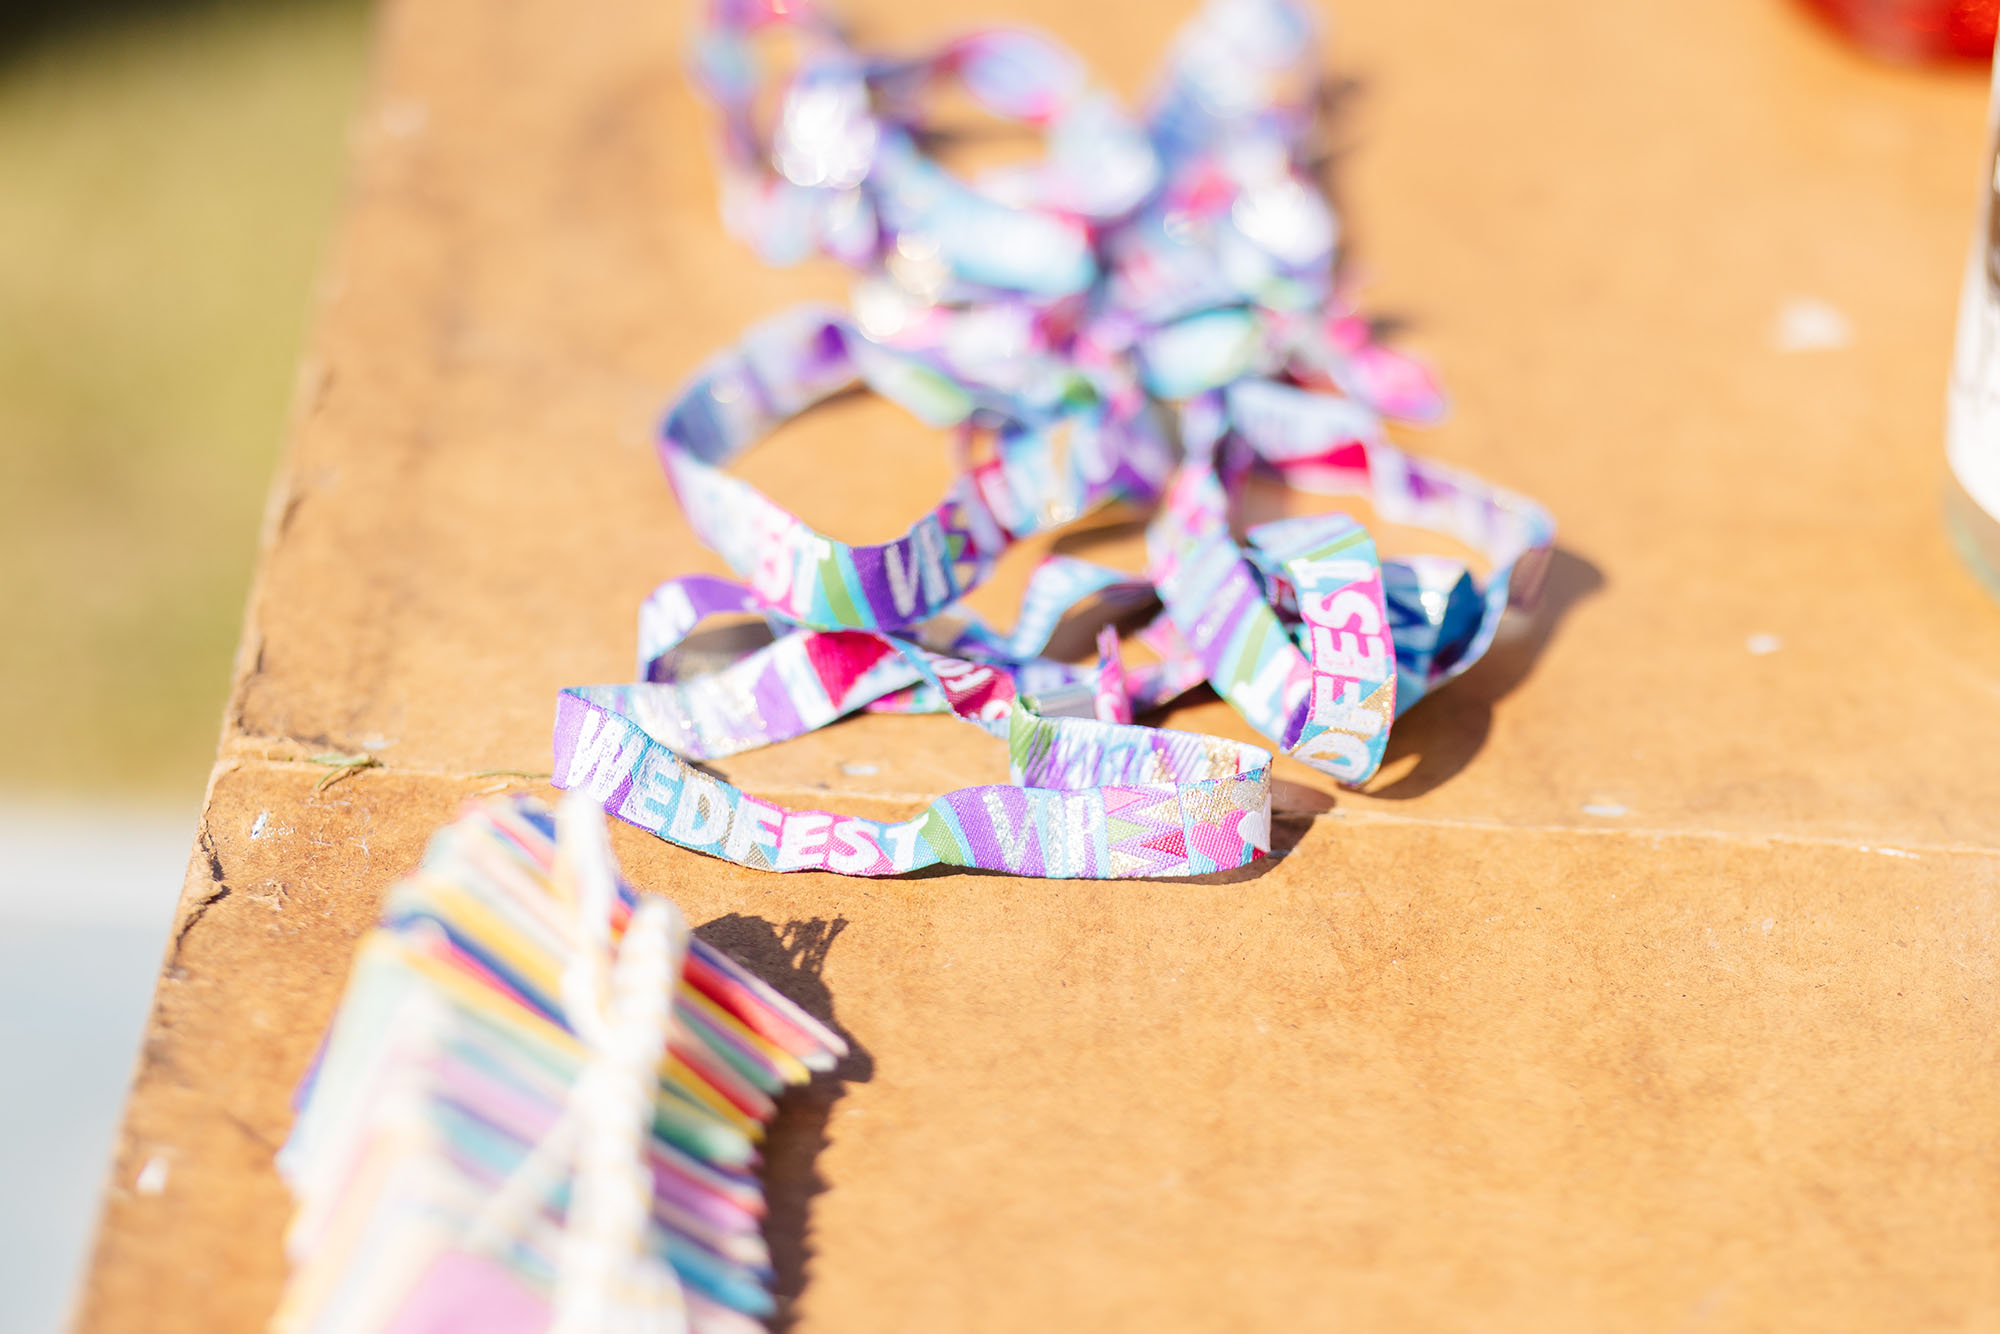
(1975, 534)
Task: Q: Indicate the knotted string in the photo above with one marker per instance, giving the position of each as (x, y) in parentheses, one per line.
(618, 1000)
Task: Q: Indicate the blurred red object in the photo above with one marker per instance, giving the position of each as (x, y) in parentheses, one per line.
(1916, 29)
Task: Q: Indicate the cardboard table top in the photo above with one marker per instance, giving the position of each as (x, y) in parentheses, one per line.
(1651, 986)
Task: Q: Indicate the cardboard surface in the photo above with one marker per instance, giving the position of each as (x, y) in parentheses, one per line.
(1651, 988)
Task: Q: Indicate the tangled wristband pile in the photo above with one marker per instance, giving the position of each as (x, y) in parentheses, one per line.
(1146, 315)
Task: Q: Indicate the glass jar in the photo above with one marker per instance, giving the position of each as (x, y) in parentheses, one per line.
(1972, 431)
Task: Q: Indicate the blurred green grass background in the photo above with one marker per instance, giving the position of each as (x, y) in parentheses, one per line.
(169, 174)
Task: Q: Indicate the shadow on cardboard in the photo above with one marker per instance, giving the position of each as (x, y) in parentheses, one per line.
(1445, 730)
(792, 959)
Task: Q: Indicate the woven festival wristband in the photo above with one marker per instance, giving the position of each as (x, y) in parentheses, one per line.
(1240, 240)
(1029, 230)
(993, 278)
(1326, 697)
(795, 190)
(806, 355)
(1239, 70)
(844, 171)
(803, 679)
(1050, 306)
(1442, 618)
(1092, 800)
(798, 682)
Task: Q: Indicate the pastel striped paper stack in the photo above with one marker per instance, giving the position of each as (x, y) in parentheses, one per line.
(539, 1105)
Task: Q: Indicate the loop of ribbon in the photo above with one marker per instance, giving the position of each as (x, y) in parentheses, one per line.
(1146, 315)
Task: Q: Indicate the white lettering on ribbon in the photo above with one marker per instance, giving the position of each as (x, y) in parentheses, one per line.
(598, 763)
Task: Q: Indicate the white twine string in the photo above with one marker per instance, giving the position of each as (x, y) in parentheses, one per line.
(608, 1281)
